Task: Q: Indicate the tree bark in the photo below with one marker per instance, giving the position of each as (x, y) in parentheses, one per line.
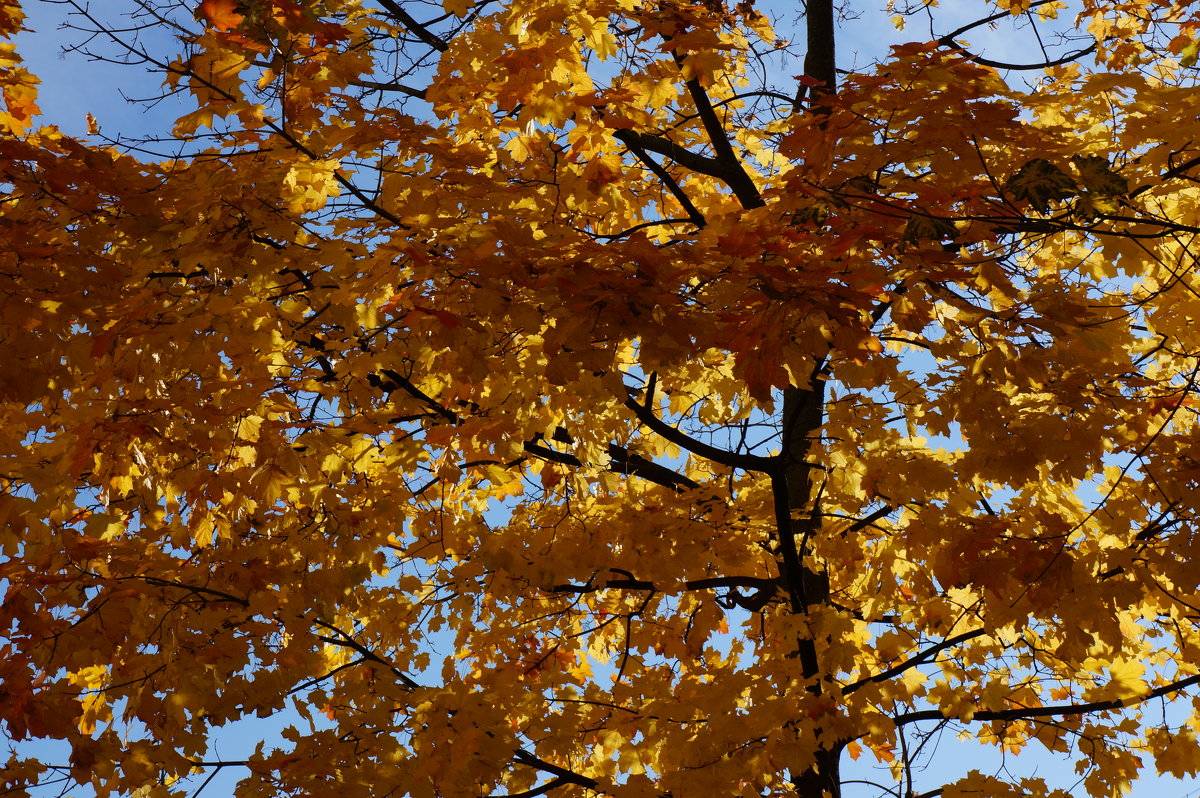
(803, 414)
(799, 518)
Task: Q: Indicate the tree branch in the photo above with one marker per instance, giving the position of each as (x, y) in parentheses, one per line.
(988, 62)
(218, 595)
(979, 23)
(667, 180)
(567, 776)
(710, 583)
(680, 155)
(865, 522)
(393, 86)
(1173, 172)
(916, 659)
(396, 380)
(346, 641)
(746, 462)
(623, 462)
(627, 462)
(414, 27)
(542, 790)
(1024, 713)
(734, 174)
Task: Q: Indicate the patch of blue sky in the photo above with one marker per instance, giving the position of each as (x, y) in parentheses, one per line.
(127, 99)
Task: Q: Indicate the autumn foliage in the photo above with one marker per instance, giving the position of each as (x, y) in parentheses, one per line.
(600, 398)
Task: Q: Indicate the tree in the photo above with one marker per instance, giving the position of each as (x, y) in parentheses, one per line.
(571, 399)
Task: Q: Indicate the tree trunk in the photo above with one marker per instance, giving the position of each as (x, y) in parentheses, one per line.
(799, 519)
(823, 780)
(796, 492)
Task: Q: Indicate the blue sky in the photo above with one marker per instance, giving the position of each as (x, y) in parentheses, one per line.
(74, 85)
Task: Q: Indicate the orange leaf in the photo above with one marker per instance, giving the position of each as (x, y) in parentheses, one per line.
(11, 17)
(446, 318)
(219, 14)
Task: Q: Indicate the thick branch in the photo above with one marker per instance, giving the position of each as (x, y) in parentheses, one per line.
(627, 462)
(746, 462)
(392, 86)
(797, 517)
(414, 27)
(913, 661)
(734, 173)
(711, 583)
(567, 776)
(623, 462)
(542, 790)
(866, 521)
(793, 566)
(1025, 713)
(792, 483)
(397, 380)
(988, 62)
(729, 172)
(680, 155)
(671, 183)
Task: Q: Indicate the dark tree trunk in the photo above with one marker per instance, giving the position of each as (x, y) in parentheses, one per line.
(822, 780)
(798, 516)
(797, 494)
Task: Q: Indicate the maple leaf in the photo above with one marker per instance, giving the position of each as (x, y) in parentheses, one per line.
(1039, 182)
(221, 15)
(1098, 177)
(11, 17)
(1124, 681)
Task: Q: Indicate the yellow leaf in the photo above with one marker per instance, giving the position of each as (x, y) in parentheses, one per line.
(1124, 682)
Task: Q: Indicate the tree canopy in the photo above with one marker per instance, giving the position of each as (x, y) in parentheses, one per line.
(603, 398)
